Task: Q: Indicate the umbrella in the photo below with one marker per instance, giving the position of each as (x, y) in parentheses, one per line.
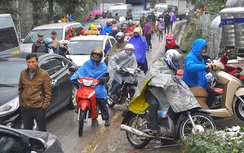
(95, 12)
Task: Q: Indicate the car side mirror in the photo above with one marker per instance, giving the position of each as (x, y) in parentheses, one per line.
(37, 144)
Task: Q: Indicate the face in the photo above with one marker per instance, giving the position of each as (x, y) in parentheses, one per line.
(53, 36)
(40, 38)
(96, 56)
(203, 50)
(32, 63)
(168, 41)
(136, 34)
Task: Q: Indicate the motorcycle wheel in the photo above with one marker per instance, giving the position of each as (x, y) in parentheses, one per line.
(81, 121)
(239, 108)
(202, 121)
(140, 124)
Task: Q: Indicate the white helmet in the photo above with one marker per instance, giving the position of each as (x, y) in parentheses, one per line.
(129, 46)
(173, 58)
(63, 43)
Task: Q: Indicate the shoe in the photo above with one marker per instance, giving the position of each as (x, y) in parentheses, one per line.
(150, 47)
(107, 122)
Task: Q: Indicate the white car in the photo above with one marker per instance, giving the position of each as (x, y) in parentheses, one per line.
(80, 47)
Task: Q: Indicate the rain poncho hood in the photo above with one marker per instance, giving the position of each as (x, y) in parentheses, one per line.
(195, 67)
(159, 76)
(92, 26)
(141, 47)
(90, 69)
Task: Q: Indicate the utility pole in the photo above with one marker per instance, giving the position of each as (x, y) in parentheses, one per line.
(18, 20)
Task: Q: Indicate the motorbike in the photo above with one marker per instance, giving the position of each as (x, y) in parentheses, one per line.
(173, 126)
(127, 77)
(232, 93)
(87, 106)
(232, 69)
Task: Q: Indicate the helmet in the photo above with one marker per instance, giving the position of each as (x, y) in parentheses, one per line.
(129, 46)
(98, 51)
(99, 26)
(137, 23)
(48, 40)
(120, 36)
(72, 28)
(136, 30)
(63, 43)
(169, 37)
(173, 58)
(130, 22)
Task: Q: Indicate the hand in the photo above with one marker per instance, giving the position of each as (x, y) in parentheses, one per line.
(102, 80)
(209, 66)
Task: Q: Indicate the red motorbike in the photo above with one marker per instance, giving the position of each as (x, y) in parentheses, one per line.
(87, 106)
(232, 69)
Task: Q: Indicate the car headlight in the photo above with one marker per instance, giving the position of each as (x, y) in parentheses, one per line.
(10, 106)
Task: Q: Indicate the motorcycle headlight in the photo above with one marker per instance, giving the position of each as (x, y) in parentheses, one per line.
(87, 82)
(10, 106)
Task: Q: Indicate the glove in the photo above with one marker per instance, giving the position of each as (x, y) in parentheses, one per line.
(103, 80)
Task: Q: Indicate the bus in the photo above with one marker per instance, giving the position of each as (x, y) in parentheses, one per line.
(9, 41)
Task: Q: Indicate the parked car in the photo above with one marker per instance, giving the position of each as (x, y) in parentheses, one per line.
(27, 141)
(63, 91)
(79, 48)
(60, 28)
(102, 22)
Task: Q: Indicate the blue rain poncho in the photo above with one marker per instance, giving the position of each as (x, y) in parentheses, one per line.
(90, 69)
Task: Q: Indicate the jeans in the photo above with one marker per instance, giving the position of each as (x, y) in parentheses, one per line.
(153, 109)
(103, 108)
(28, 116)
(148, 39)
(167, 27)
(115, 88)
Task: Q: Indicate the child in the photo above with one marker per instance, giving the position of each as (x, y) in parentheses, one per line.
(160, 29)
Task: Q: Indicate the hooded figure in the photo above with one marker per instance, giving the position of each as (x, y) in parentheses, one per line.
(140, 49)
(195, 69)
(71, 33)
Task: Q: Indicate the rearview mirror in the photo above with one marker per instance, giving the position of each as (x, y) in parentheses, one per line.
(37, 144)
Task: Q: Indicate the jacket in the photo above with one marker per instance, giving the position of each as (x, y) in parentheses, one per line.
(116, 48)
(147, 29)
(37, 92)
(195, 67)
(167, 18)
(37, 46)
(46, 49)
(90, 69)
(141, 47)
(129, 28)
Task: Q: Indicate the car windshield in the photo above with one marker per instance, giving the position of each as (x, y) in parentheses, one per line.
(11, 72)
(83, 47)
(121, 12)
(160, 9)
(32, 36)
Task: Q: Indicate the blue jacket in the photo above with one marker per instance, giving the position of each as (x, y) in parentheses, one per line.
(141, 47)
(108, 29)
(102, 32)
(90, 69)
(195, 67)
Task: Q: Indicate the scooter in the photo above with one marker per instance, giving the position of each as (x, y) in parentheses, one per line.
(232, 94)
(87, 106)
(173, 126)
(127, 78)
(232, 69)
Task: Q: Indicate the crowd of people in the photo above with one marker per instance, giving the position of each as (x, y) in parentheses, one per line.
(134, 50)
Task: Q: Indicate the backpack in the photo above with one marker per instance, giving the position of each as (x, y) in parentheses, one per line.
(160, 26)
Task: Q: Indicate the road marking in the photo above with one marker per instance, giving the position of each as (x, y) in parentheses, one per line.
(98, 137)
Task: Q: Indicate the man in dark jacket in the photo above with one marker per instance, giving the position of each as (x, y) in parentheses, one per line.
(38, 44)
(34, 97)
(167, 18)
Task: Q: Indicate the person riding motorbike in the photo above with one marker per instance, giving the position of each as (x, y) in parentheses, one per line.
(96, 69)
(161, 89)
(48, 48)
(125, 59)
(71, 33)
(117, 46)
(195, 69)
(63, 45)
(170, 42)
(130, 27)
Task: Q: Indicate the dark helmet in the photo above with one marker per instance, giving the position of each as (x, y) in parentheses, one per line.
(120, 36)
(99, 52)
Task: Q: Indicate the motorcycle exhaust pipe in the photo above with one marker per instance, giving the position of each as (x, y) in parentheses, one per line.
(135, 131)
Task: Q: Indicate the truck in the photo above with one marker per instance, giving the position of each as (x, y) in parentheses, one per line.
(178, 7)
